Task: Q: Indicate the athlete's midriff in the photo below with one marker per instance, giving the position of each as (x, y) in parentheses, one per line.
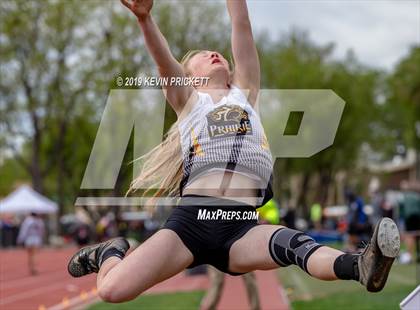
(240, 187)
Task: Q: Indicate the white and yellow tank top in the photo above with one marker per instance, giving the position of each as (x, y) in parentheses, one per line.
(225, 135)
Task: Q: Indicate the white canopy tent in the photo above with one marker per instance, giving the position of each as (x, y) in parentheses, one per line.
(26, 200)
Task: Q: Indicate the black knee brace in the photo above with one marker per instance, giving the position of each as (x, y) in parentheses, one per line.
(288, 246)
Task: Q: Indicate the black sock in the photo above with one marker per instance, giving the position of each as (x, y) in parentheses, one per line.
(112, 252)
(346, 268)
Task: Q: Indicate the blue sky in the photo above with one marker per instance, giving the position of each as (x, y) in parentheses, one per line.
(380, 32)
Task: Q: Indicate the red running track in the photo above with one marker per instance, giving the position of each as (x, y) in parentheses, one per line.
(52, 284)
(52, 288)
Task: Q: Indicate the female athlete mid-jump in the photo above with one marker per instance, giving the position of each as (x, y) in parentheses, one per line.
(201, 149)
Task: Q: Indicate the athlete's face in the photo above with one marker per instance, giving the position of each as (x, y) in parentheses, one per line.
(207, 63)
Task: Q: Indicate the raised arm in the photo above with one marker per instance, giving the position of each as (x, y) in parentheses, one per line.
(245, 55)
(158, 48)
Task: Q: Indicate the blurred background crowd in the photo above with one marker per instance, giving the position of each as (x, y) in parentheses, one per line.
(59, 59)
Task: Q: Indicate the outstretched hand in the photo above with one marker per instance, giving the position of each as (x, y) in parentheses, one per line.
(140, 8)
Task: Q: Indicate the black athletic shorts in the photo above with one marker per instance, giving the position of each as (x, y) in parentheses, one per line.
(209, 240)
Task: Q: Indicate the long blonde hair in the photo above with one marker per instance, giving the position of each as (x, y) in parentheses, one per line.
(162, 166)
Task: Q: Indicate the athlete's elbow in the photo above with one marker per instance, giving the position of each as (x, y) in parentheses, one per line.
(112, 294)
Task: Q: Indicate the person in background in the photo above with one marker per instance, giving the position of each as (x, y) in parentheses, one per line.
(82, 235)
(409, 207)
(316, 216)
(31, 235)
(289, 218)
(217, 280)
(387, 209)
(380, 205)
(268, 214)
(358, 222)
(9, 227)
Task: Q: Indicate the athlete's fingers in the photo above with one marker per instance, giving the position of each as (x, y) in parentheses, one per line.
(126, 4)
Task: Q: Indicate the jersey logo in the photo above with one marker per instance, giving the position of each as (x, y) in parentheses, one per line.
(228, 120)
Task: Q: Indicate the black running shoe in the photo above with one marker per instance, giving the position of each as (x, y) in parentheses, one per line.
(376, 259)
(89, 259)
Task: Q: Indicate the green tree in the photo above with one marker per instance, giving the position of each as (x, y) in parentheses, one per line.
(402, 108)
(295, 62)
(60, 59)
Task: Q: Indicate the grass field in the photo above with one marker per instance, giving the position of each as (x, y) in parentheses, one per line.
(303, 292)
(307, 293)
(175, 301)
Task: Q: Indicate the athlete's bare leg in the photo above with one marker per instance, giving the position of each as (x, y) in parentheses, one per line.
(160, 257)
(31, 260)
